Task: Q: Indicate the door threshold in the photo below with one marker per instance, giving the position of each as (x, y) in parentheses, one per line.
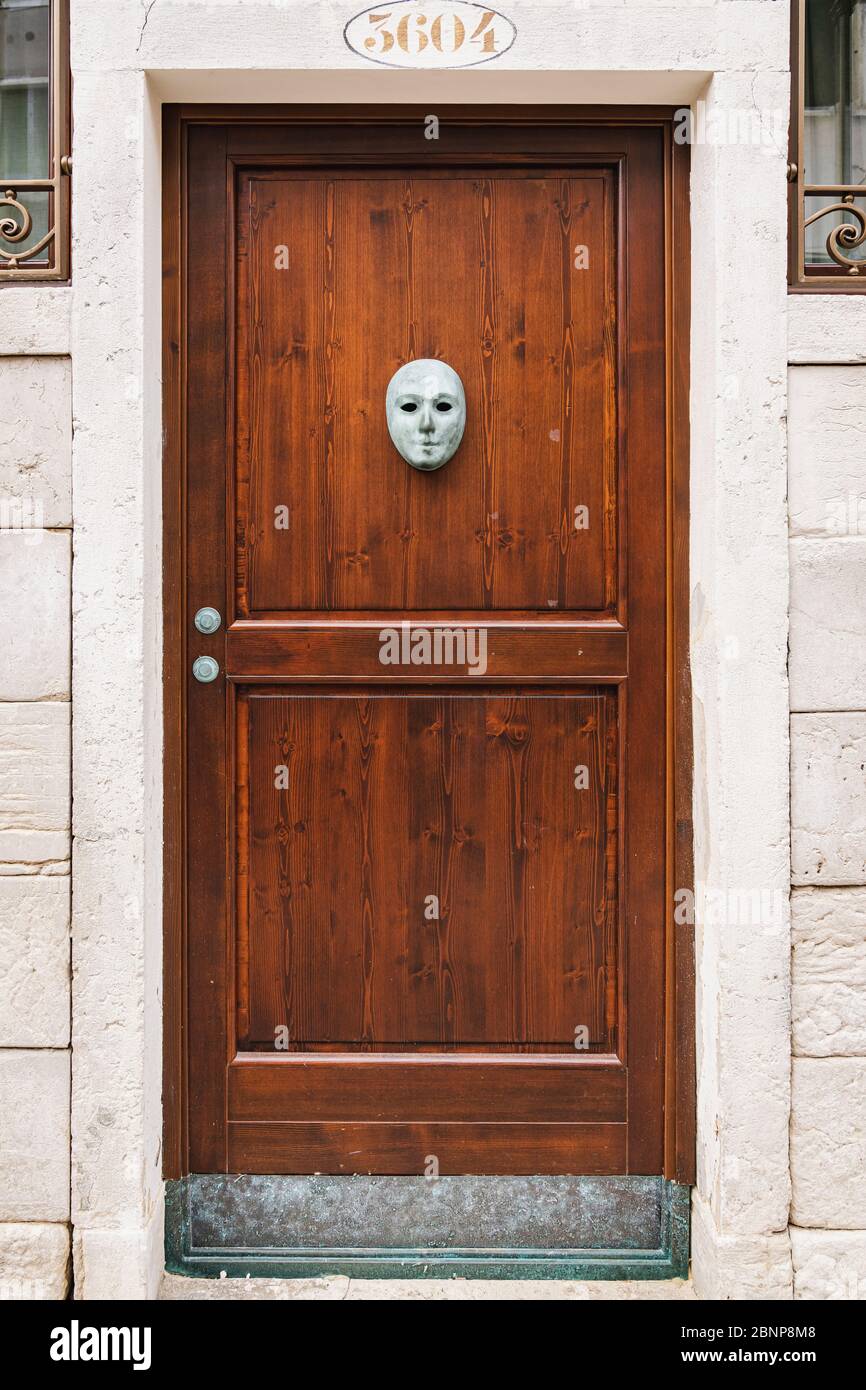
(369, 1227)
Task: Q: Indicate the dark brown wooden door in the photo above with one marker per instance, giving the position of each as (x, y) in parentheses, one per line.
(425, 896)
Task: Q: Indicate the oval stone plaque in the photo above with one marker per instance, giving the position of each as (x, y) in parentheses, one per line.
(442, 34)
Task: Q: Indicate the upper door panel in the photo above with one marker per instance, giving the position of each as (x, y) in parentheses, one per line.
(342, 277)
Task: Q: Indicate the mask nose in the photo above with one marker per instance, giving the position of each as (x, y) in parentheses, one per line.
(426, 425)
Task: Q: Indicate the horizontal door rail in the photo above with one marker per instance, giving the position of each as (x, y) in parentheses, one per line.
(426, 653)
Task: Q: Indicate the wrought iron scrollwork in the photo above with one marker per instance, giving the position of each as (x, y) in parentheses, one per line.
(846, 236)
(16, 227)
(10, 230)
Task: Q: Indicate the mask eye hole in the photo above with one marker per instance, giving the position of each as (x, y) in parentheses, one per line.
(444, 406)
(410, 407)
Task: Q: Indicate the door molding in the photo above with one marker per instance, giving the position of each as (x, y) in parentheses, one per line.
(679, 1103)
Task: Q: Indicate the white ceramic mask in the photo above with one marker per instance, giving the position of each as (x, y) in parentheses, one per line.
(426, 411)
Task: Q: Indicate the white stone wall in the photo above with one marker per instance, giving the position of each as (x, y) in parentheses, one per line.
(35, 630)
(827, 510)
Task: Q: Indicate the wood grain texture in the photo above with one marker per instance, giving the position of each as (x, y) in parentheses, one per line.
(514, 1149)
(208, 901)
(550, 1090)
(643, 707)
(175, 1138)
(486, 274)
(473, 899)
(681, 1146)
(299, 904)
(539, 653)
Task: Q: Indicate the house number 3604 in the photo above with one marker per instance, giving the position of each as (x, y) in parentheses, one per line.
(409, 34)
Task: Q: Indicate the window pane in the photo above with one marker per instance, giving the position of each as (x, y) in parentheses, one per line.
(834, 124)
(835, 139)
(24, 106)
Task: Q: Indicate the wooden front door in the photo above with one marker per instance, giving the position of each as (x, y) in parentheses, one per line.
(428, 803)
